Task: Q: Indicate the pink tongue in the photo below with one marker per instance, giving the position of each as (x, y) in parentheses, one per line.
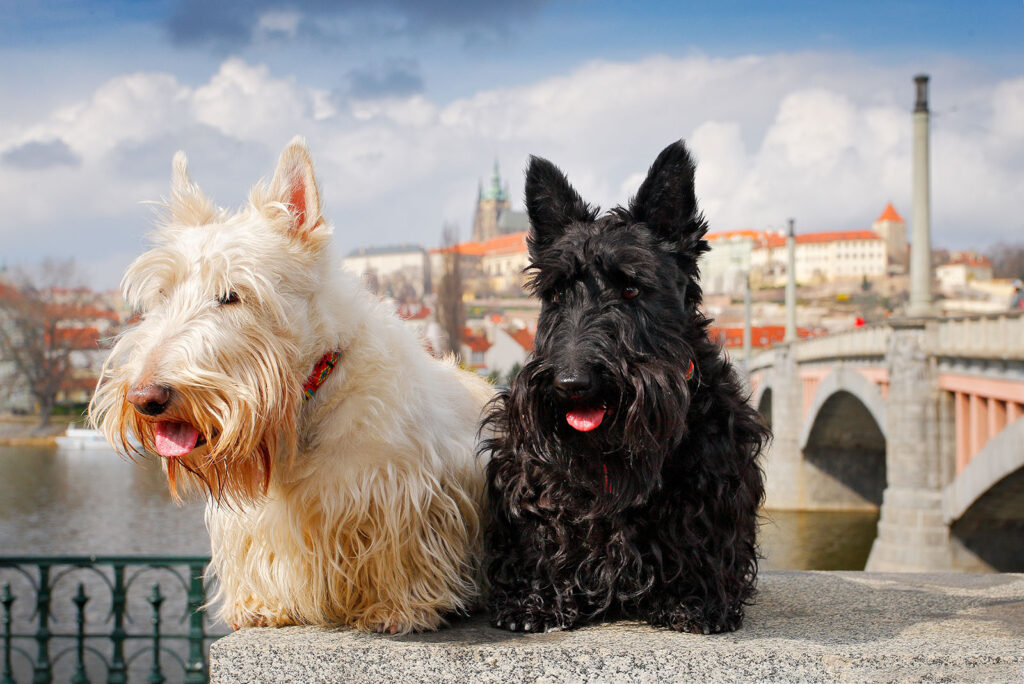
(585, 419)
(175, 439)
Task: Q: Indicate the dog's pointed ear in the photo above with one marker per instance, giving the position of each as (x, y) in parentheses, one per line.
(551, 203)
(188, 204)
(294, 186)
(666, 200)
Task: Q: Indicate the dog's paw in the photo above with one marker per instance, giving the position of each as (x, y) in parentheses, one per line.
(530, 626)
(529, 621)
(389, 628)
(682, 619)
(256, 613)
(265, 621)
(399, 621)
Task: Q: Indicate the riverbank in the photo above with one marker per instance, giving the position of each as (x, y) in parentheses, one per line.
(25, 430)
(804, 626)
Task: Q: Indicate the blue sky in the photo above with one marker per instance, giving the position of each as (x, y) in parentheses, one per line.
(793, 108)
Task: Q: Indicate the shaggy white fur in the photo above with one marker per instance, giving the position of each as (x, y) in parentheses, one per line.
(358, 507)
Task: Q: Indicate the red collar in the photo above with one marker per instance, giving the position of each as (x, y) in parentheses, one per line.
(321, 371)
(688, 376)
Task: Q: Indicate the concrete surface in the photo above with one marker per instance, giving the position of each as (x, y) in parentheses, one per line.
(806, 626)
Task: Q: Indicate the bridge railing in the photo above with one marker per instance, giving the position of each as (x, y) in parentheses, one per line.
(991, 336)
(761, 360)
(91, 618)
(988, 336)
(866, 341)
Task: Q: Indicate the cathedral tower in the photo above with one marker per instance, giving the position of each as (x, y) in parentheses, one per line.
(490, 203)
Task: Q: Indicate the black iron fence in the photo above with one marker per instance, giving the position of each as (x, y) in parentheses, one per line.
(104, 618)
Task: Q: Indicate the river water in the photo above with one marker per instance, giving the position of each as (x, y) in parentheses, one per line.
(93, 502)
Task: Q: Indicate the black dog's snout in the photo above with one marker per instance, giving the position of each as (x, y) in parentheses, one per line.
(575, 384)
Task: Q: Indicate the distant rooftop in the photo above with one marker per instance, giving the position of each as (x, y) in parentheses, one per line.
(890, 214)
(734, 235)
(778, 240)
(513, 221)
(501, 244)
(969, 260)
(522, 336)
(764, 238)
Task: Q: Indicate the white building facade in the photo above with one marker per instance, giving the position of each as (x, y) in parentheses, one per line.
(401, 271)
(820, 258)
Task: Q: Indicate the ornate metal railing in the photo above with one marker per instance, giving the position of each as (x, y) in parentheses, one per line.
(105, 626)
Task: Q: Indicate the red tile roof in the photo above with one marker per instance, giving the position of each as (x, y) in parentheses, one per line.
(475, 342)
(510, 243)
(412, 313)
(968, 260)
(760, 335)
(778, 240)
(506, 244)
(78, 338)
(890, 215)
(730, 234)
(522, 336)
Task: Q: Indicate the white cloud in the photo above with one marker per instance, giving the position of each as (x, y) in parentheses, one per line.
(246, 102)
(822, 138)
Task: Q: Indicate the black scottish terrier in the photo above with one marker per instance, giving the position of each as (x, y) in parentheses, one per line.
(624, 477)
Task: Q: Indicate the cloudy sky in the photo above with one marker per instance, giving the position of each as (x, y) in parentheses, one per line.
(794, 109)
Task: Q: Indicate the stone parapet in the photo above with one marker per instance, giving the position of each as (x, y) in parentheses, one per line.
(805, 626)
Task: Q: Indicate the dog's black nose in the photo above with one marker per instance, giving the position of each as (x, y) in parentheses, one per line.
(150, 399)
(577, 383)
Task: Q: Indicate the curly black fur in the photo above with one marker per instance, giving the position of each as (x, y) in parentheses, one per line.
(653, 514)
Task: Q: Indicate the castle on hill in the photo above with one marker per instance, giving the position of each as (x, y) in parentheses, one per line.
(494, 215)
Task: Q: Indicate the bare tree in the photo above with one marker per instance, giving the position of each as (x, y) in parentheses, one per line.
(1007, 260)
(451, 312)
(36, 339)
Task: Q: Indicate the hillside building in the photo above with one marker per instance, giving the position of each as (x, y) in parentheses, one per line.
(891, 227)
(820, 257)
(963, 270)
(401, 272)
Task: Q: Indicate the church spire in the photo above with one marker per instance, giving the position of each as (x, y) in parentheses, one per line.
(494, 190)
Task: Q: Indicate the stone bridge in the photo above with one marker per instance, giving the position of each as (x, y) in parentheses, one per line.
(917, 418)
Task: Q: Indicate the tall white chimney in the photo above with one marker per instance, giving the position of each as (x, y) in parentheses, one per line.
(921, 245)
(790, 284)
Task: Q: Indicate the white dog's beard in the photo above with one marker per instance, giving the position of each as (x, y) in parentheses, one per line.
(208, 442)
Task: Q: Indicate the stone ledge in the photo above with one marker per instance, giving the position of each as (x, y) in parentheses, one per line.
(806, 626)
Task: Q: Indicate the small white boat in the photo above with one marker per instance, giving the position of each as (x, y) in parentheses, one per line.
(80, 439)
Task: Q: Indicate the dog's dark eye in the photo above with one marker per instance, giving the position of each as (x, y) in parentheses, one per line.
(556, 298)
(229, 298)
(630, 292)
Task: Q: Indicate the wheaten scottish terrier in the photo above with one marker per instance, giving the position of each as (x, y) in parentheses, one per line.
(337, 456)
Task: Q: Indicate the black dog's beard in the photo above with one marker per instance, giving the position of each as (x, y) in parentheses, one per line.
(620, 463)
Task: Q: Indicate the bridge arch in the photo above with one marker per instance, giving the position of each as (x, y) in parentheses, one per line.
(843, 442)
(764, 382)
(844, 379)
(762, 401)
(982, 504)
